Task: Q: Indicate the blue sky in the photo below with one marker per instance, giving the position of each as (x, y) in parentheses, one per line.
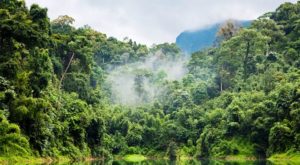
(154, 21)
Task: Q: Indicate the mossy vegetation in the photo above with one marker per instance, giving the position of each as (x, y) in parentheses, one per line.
(134, 158)
(290, 157)
(34, 160)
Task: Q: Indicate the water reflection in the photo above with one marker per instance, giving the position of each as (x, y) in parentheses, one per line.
(166, 162)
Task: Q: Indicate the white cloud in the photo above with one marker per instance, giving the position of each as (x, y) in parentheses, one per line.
(155, 21)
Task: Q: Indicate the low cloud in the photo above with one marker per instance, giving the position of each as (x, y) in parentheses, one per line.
(155, 21)
(141, 82)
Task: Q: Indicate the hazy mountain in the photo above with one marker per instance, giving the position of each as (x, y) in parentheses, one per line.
(192, 41)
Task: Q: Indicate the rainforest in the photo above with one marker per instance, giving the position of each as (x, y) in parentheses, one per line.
(74, 93)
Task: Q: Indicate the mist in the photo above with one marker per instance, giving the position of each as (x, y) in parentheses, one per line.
(142, 82)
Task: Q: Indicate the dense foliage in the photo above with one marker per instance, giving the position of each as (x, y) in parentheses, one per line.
(241, 97)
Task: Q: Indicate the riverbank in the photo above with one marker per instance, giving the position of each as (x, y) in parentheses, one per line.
(139, 158)
(33, 160)
(238, 158)
(280, 159)
(293, 158)
(135, 158)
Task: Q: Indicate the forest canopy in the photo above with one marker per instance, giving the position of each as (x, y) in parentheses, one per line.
(62, 90)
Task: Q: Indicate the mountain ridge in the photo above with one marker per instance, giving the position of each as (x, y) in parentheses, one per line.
(190, 41)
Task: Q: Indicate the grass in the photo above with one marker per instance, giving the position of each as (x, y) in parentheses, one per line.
(22, 160)
(285, 158)
(18, 160)
(134, 158)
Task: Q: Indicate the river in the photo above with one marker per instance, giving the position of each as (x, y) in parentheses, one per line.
(186, 162)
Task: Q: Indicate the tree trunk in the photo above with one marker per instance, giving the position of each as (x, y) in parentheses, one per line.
(66, 70)
(246, 60)
(221, 84)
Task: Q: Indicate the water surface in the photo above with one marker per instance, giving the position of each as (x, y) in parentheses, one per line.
(186, 162)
